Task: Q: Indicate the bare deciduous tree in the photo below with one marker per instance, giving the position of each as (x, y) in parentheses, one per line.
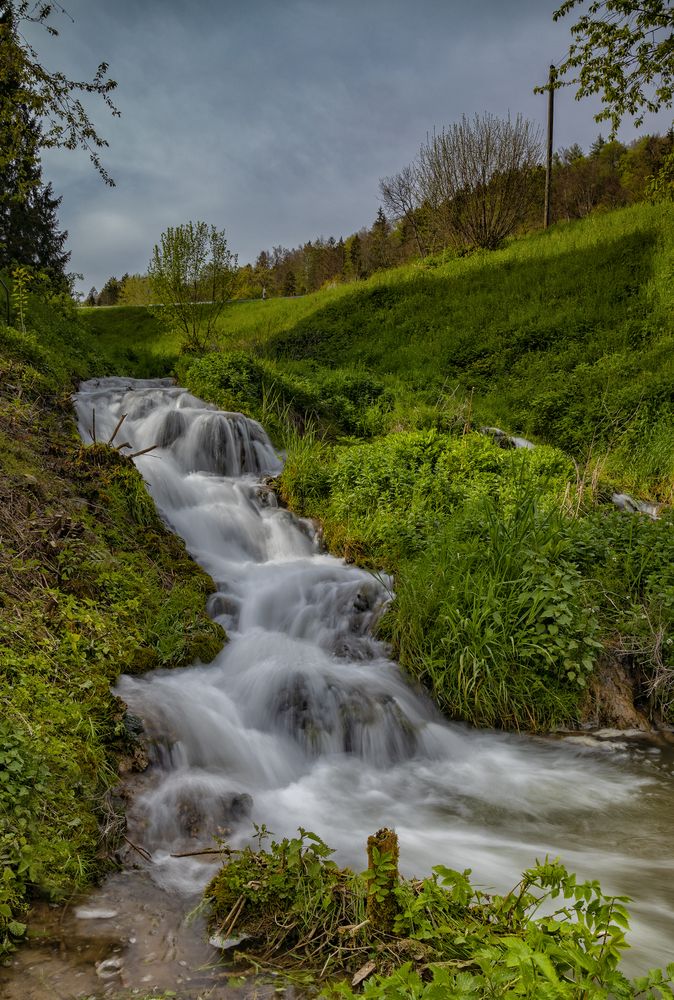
(402, 199)
(477, 176)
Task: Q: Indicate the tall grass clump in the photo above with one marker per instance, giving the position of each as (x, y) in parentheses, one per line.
(492, 617)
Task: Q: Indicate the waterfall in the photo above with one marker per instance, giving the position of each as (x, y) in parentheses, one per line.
(303, 720)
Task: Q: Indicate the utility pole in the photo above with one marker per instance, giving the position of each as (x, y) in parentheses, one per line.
(548, 162)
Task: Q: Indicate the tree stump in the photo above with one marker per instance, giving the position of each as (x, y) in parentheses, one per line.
(382, 862)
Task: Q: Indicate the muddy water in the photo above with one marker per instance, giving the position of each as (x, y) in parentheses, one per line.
(302, 720)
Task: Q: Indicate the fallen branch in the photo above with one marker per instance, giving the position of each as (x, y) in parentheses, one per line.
(206, 850)
(141, 850)
(114, 433)
(143, 452)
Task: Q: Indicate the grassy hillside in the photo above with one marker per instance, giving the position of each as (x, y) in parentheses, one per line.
(517, 581)
(564, 336)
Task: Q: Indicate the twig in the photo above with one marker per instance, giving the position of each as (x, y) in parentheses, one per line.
(114, 433)
(232, 917)
(206, 850)
(141, 850)
(143, 452)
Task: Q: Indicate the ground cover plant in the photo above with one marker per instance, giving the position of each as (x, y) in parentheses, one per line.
(550, 936)
(91, 585)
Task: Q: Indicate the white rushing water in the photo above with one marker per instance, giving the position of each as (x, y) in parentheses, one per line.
(302, 720)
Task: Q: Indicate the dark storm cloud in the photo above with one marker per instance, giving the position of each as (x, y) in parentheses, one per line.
(276, 120)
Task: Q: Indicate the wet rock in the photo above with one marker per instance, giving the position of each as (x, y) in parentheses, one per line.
(109, 968)
(361, 603)
(219, 605)
(198, 814)
(172, 428)
(611, 696)
(624, 501)
(133, 725)
(498, 436)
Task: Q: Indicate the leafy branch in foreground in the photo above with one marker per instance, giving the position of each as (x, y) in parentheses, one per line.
(622, 50)
(552, 936)
(31, 92)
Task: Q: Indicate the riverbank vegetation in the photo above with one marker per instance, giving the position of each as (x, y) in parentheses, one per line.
(91, 585)
(291, 908)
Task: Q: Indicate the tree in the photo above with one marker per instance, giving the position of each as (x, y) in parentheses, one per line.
(135, 290)
(192, 274)
(353, 257)
(478, 177)
(622, 50)
(401, 196)
(379, 251)
(109, 293)
(30, 92)
(29, 232)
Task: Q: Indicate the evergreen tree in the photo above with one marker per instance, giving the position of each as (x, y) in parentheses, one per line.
(29, 233)
(353, 257)
(379, 250)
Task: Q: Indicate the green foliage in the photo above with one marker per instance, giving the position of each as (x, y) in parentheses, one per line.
(550, 936)
(31, 93)
(283, 896)
(21, 279)
(494, 619)
(343, 400)
(661, 185)
(622, 50)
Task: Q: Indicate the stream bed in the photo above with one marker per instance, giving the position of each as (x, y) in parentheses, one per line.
(303, 720)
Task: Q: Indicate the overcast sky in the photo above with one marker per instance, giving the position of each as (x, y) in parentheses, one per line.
(275, 119)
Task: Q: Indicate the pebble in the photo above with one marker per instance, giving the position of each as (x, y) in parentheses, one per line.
(109, 968)
(92, 913)
(217, 941)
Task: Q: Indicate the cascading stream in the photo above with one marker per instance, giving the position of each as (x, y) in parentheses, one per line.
(302, 720)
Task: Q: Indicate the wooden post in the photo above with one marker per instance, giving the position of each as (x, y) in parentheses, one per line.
(382, 861)
(548, 162)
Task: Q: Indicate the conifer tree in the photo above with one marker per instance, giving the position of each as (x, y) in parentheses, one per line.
(29, 229)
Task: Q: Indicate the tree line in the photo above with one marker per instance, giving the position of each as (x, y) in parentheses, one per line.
(424, 214)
